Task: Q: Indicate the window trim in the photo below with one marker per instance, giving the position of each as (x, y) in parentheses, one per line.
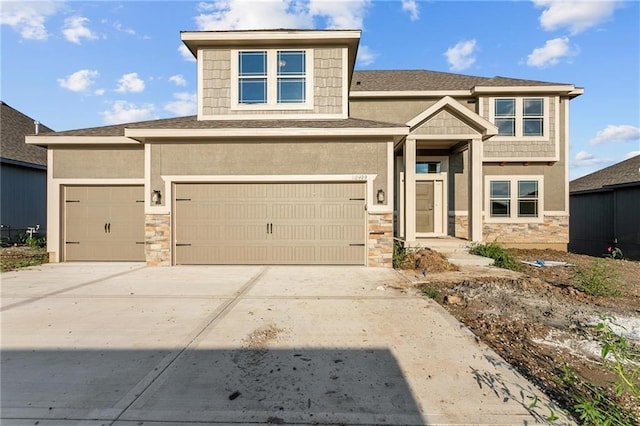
(519, 118)
(513, 199)
(272, 82)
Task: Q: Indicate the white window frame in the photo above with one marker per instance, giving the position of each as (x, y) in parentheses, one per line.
(513, 185)
(519, 118)
(272, 82)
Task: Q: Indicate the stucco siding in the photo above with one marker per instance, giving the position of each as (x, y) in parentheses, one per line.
(554, 180)
(88, 163)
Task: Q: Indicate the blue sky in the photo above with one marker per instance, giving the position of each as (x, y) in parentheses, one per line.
(82, 64)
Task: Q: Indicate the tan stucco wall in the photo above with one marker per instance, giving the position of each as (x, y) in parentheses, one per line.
(554, 180)
(394, 111)
(270, 158)
(459, 181)
(327, 84)
(88, 163)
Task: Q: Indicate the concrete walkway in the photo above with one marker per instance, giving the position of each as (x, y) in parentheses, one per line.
(118, 343)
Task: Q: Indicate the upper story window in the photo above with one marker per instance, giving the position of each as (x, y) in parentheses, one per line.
(272, 79)
(520, 117)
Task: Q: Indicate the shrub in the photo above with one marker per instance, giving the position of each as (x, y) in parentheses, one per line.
(503, 259)
(599, 280)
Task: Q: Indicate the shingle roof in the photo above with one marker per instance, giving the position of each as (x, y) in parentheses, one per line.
(627, 171)
(409, 80)
(14, 126)
(191, 122)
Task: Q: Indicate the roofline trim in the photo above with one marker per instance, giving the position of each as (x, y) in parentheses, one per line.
(79, 140)
(23, 163)
(407, 93)
(265, 132)
(563, 88)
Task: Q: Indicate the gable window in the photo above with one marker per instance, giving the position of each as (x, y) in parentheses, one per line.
(272, 79)
(514, 199)
(519, 117)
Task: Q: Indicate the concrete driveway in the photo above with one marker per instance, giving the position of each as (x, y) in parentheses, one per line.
(120, 343)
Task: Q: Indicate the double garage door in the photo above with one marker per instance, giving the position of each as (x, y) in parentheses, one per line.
(270, 223)
(234, 223)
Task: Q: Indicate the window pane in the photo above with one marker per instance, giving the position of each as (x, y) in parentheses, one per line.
(428, 167)
(291, 63)
(291, 90)
(528, 208)
(501, 208)
(252, 63)
(532, 126)
(500, 189)
(506, 126)
(252, 91)
(505, 107)
(527, 189)
(533, 107)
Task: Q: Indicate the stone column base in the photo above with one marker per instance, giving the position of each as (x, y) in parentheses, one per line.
(380, 241)
(157, 233)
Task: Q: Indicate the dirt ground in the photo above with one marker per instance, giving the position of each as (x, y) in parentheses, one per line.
(540, 323)
(12, 258)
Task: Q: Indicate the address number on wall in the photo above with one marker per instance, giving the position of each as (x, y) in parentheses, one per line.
(359, 177)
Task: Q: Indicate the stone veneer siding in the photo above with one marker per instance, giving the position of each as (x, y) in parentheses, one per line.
(459, 226)
(157, 235)
(554, 230)
(380, 240)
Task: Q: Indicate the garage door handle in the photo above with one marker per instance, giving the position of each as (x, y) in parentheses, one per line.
(105, 228)
(271, 228)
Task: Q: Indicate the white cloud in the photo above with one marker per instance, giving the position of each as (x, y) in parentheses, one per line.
(412, 7)
(256, 14)
(184, 104)
(246, 15)
(28, 18)
(347, 14)
(99, 92)
(186, 53)
(366, 56)
(577, 16)
(178, 80)
(622, 133)
(631, 154)
(125, 112)
(461, 56)
(585, 159)
(550, 53)
(118, 26)
(130, 83)
(75, 29)
(79, 81)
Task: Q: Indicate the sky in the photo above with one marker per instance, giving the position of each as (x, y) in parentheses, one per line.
(79, 64)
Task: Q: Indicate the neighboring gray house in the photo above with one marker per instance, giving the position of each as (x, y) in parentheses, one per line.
(604, 210)
(23, 175)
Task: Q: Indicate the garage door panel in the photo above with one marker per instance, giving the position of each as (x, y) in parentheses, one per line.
(281, 223)
(87, 209)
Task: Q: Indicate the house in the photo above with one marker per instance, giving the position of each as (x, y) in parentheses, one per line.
(295, 158)
(604, 210)
(23, 175)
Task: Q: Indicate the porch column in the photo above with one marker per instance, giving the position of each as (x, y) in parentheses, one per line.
(410, 190)
(475, 190)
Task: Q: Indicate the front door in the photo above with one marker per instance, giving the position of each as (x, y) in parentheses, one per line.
(425, 207)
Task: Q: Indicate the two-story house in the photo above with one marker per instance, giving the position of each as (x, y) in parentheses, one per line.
(295, 158)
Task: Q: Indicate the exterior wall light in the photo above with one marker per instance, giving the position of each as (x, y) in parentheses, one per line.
(380, 196)
(156, 197)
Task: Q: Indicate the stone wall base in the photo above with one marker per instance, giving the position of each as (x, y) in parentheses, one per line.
(553, 232)
(380, 241)
(157, 233)
(459, 226)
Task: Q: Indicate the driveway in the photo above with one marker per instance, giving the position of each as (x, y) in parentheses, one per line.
(120, 343)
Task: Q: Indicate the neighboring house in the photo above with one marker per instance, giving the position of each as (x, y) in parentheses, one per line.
(23, 175)
(295, 158)
(604, 210)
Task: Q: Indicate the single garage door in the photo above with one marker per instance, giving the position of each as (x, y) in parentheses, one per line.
(270, 223)
(103, 223)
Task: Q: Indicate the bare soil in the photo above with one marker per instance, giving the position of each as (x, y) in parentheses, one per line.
(12, 258)
(539, 322)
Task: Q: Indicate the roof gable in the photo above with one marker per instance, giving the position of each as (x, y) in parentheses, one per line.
(448, 116)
